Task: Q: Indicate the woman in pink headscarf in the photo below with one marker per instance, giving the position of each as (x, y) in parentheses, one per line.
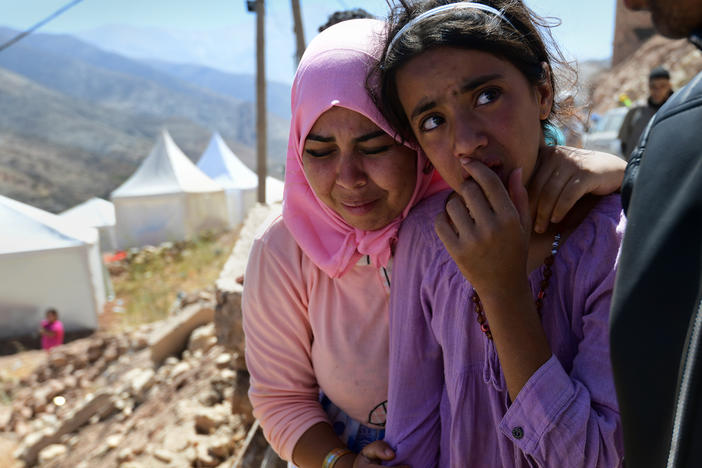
(318, 280)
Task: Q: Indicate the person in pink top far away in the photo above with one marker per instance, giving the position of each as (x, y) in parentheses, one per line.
(51, 330)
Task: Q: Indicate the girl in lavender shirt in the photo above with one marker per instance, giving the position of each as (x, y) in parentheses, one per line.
(499, 350)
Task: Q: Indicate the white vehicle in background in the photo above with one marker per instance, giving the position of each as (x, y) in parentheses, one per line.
(604, 135)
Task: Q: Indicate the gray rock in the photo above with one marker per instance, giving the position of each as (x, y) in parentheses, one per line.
(97, 406)
(207, 420)
(52, 452)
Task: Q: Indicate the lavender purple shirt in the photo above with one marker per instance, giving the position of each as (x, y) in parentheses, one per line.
(448, 403)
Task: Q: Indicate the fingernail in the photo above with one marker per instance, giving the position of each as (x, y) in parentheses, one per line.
(388, 453)
(466, 161)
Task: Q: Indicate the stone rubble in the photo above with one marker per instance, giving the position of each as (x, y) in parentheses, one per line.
(103, 401)
(168, 393)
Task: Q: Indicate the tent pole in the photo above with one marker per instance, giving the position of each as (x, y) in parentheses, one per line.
(299, 31)
(261, 101)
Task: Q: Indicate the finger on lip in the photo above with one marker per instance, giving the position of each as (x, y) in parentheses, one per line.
(467, 162)
(478, 169)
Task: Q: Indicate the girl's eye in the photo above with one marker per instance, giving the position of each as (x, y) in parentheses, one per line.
(430, 123)
(318, 154)
(376, 150)
(487, 96)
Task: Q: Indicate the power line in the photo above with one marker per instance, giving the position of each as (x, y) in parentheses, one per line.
(39, 24)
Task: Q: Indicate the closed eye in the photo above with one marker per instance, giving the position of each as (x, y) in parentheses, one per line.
(376, 150)
(487, 96)
(430, 123)
(318, 154)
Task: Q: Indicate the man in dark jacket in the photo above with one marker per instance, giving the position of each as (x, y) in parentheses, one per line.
(656, 322)
(637, 118)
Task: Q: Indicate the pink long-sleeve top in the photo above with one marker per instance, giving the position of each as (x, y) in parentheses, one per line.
(307, 332)
(447, 400)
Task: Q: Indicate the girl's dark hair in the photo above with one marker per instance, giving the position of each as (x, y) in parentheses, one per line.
(521, 40)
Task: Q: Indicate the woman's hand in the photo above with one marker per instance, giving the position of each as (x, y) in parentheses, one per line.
(374, 454)
(564, 175)
(486, 230)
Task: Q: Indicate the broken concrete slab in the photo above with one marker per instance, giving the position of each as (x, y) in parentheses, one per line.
(172, 337)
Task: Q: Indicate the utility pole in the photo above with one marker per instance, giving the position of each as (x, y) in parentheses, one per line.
(299, 31)
(258, 7)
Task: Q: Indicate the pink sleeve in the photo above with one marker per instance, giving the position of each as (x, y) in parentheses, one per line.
(284, 391)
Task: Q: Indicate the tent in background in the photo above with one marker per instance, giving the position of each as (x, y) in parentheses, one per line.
(240, 182)
(46, 262)
(167, 199)
(274, 190)
(97, 213)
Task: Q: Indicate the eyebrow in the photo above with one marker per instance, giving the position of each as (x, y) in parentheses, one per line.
(467, 86)
(369, 136)
(361, 139)
(323, 139)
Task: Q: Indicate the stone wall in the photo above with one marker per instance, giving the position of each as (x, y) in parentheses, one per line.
(228, 290)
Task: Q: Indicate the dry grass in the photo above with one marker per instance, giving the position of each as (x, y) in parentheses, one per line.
(149, 286)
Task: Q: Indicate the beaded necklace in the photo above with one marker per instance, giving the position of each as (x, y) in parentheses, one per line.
(539, 301)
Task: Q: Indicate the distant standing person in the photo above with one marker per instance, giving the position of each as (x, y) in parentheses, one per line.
(51, 330)
(637, 118)
(656, 316)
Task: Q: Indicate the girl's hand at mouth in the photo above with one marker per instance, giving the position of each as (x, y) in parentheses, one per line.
(487, 229)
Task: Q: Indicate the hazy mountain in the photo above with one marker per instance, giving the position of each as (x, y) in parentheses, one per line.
(230, 49)
(238, 86)
(77, 120)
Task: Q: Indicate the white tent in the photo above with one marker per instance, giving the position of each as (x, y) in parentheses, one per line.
(46, 262)
(240, 182)
(274, 190)
(167, 199)
(97, 213)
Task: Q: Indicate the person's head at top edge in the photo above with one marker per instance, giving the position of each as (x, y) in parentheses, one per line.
(344, 15)
(51, 315)
(469, 82)
(675, 19)
(348, 182)
(659, 86)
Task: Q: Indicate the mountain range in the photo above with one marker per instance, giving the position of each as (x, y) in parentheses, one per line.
(77, 120)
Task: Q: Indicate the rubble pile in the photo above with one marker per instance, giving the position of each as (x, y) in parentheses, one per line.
(104, 401)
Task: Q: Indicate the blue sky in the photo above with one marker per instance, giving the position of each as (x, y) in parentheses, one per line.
(586, 31)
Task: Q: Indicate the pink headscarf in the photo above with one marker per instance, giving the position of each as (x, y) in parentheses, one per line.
(333, 72)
